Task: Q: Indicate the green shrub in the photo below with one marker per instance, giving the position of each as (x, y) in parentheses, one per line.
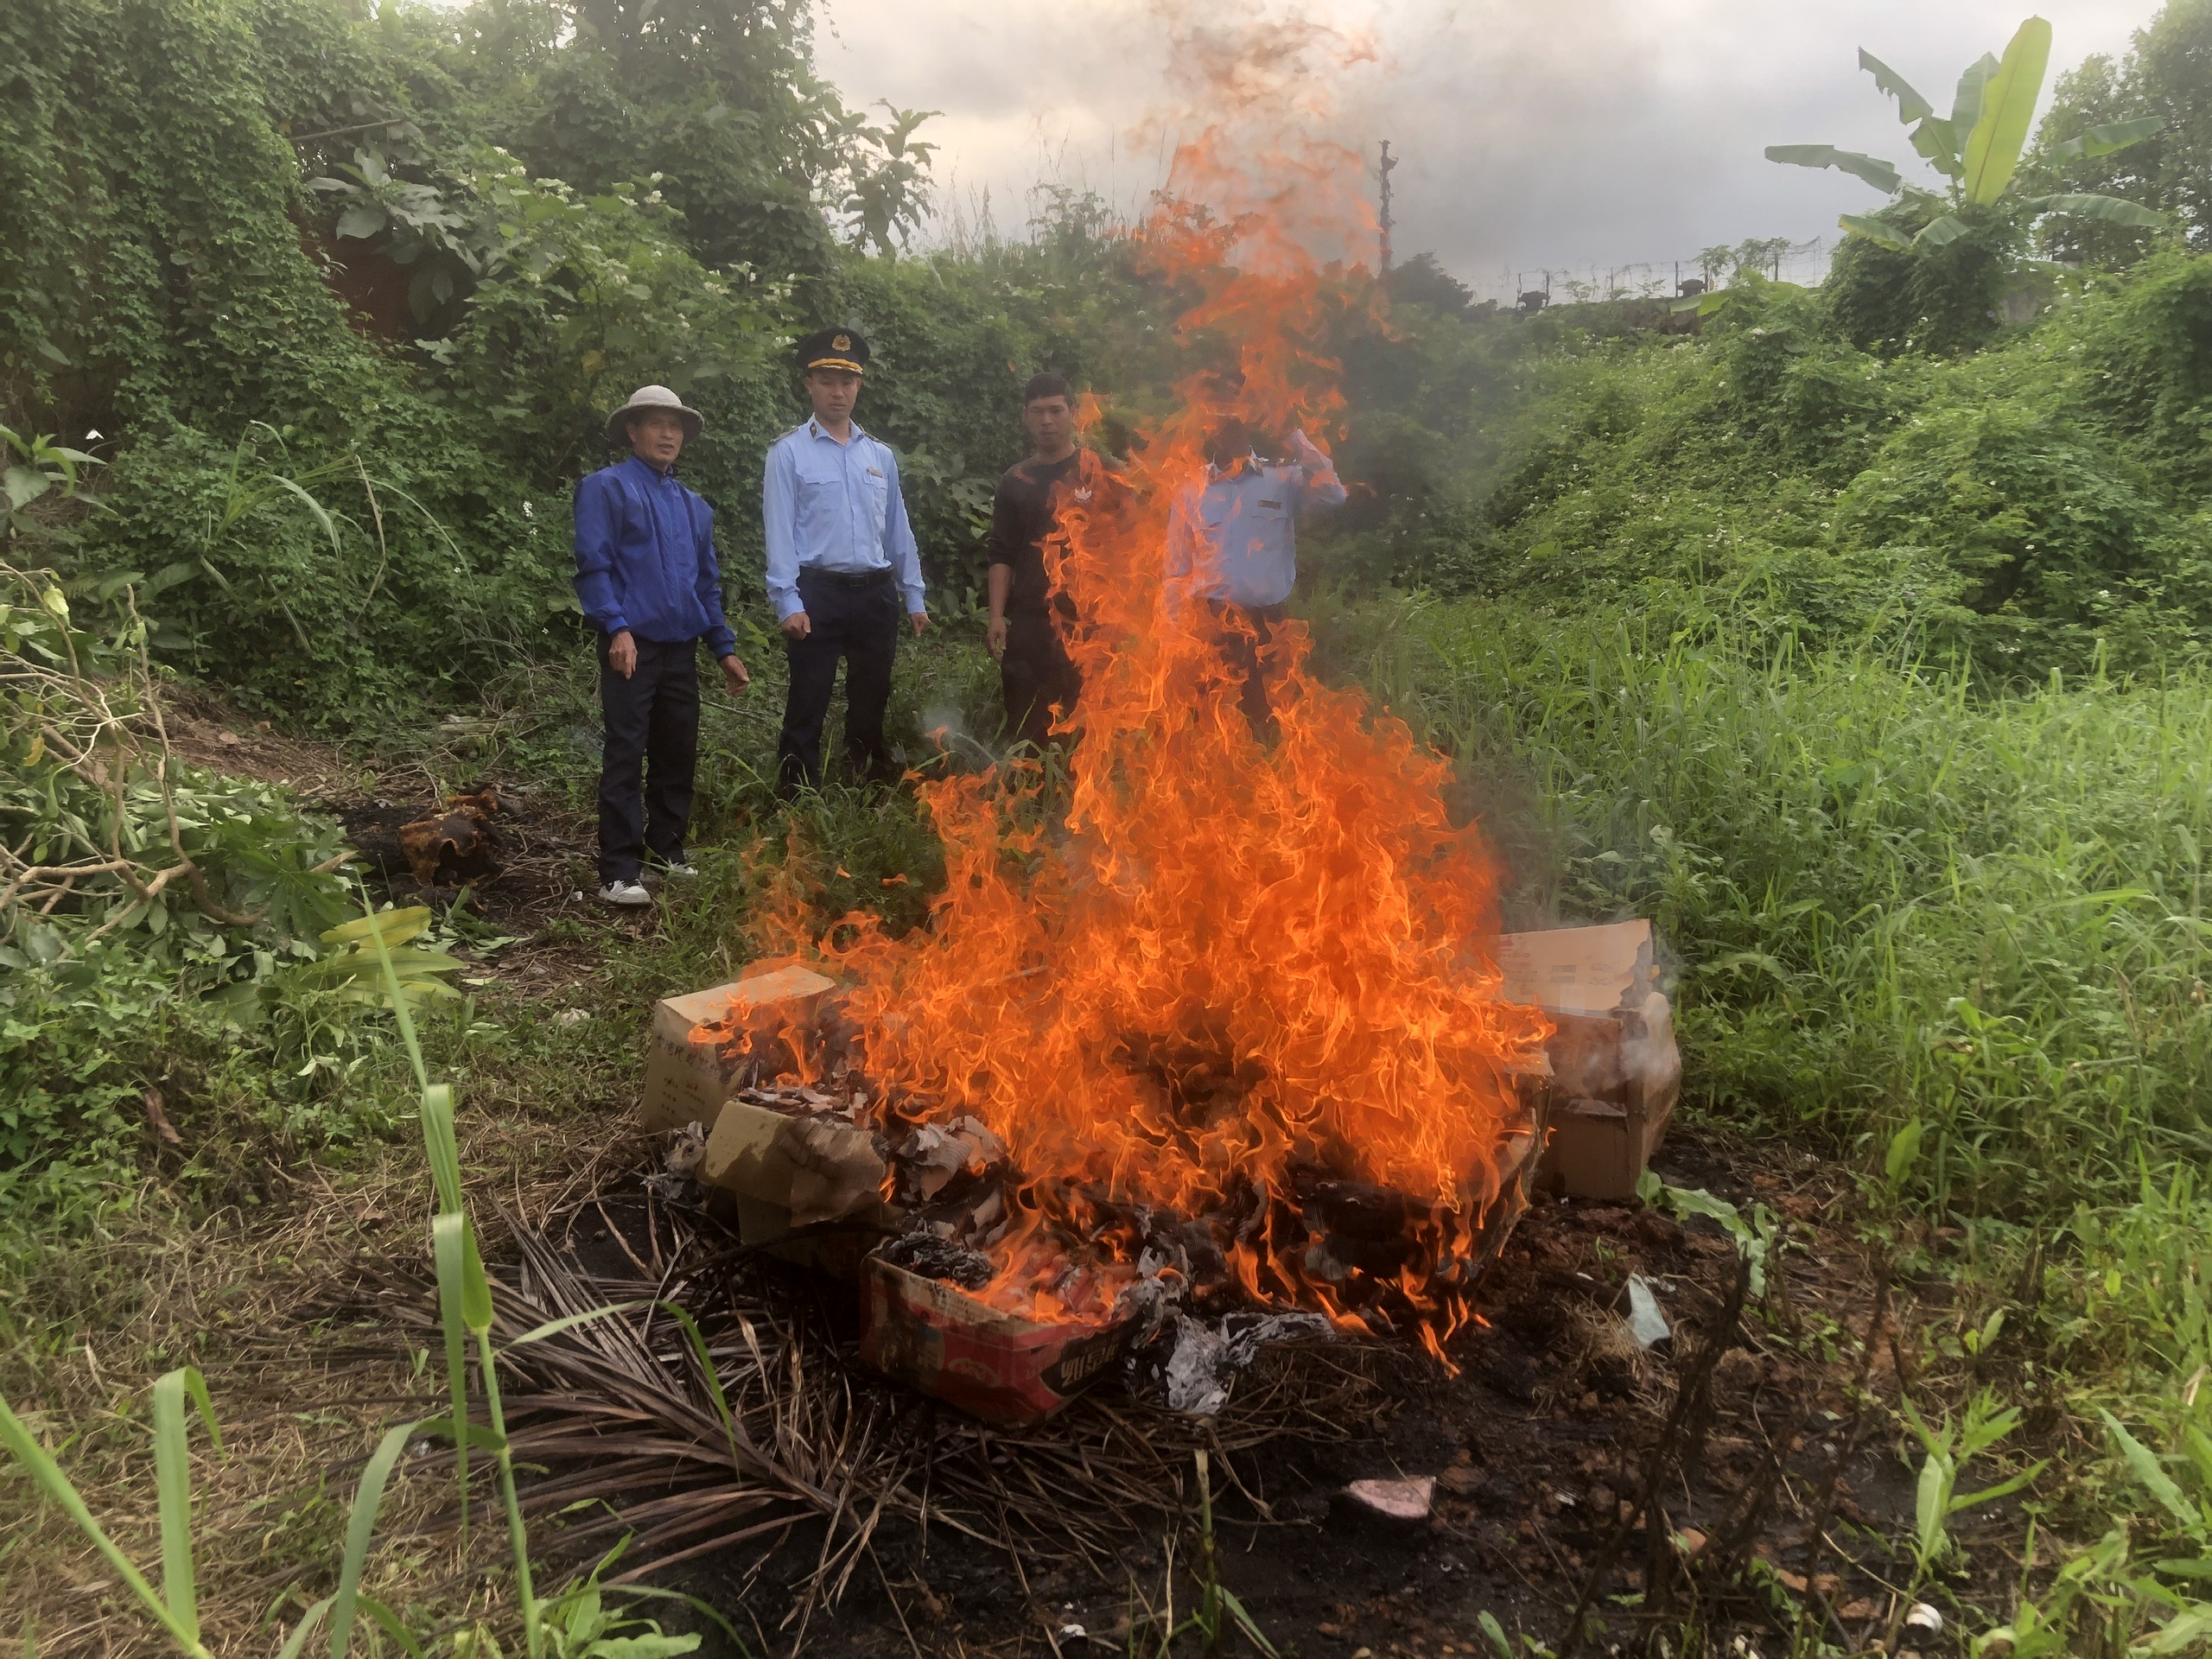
(2030, 506)
(2052, 531)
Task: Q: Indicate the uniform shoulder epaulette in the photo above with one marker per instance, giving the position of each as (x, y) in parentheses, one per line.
(792, 431)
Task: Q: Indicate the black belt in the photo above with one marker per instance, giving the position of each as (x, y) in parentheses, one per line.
(846, 578)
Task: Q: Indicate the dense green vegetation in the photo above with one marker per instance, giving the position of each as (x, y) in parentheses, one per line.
(1857, 634)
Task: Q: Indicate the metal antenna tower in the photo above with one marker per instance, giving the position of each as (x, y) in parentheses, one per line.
(1384, 219)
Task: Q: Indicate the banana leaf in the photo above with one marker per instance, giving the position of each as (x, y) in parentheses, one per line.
(1939, 231)
(2103, 141)
(1875, 229)
(1912, 106)
(2106, 210)
(1965, 102)
(1937, 142)
(1877, 172)
(2008, 108)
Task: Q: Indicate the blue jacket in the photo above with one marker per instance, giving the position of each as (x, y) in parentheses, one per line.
(646, 558)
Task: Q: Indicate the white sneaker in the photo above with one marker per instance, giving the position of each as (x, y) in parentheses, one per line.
(628, 894)
(682, 871)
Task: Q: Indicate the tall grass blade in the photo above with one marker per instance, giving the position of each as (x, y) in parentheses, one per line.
(555, 1327)
(395, 1627)
(172, 1484)
(405, 1021)
(443, 1147)
(297, 1641)
(705, 1609)
(2143, 1463)
(713, 1381)
(47, 1476)
(1246, 1624)
(360, 1526)
(448, 1240)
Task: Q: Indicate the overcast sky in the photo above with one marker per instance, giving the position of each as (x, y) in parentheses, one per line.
(1567, 133)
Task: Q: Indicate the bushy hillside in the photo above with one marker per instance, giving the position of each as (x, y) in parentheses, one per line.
(2040, 503)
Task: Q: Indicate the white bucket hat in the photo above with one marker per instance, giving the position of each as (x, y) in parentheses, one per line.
(645, 397)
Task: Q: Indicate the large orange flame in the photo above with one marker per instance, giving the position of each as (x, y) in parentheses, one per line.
(1235, 971)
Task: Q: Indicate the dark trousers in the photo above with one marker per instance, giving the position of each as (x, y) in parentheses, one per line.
(651, 754)
(1035, 674)
(855, 622)
(1239, 632)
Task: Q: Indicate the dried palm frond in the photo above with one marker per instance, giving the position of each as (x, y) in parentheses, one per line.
(781, 1425)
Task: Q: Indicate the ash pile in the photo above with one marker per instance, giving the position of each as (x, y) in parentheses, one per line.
(971, 1291)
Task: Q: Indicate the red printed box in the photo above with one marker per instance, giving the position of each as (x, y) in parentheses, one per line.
(994, 1365)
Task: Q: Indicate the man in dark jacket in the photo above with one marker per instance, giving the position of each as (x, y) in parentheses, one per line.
(647, 577)
(1029, 619)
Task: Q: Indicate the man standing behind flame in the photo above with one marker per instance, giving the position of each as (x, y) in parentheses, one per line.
(1232, 543)
(1029, 619)
(842, 565)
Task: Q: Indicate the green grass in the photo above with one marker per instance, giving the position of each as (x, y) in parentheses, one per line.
(1888, 896)
(1891, 893)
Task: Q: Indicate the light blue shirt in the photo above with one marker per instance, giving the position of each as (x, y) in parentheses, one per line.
(827, 506)
(1235, 537)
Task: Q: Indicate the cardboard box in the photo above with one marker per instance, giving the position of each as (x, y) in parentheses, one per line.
(998, 1366)
(806, 1187)
(687, 1082)
(1616, 1071)
(809, 1189)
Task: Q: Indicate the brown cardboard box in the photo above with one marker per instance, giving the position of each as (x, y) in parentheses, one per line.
(814, 1174)
(798, 1171)
(1616, 1071)
(684, 1080)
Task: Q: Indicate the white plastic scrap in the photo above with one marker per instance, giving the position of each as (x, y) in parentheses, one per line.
(1206, 1356)
(1645, 1322)
(1924, 1617)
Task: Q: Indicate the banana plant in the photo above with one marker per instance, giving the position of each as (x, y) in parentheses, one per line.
(1976, 148)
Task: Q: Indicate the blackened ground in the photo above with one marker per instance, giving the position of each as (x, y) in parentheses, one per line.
(1539, 1446)
(530, 864)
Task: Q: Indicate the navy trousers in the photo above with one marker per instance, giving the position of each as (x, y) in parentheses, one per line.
(651, 758)
(1241, 632)
(849, 620)
(1035, 674)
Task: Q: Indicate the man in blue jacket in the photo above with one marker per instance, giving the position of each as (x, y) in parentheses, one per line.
(842, 565)
(647, 577)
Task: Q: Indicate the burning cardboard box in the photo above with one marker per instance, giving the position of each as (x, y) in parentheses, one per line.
(938, 1337)
(1616, 1071)
(1009, 1329)
(801, 1164)
(689, 1068)
(1014, 1341)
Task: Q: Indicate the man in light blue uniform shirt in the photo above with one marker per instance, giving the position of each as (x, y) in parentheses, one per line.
(1232, 543)
(842, 565)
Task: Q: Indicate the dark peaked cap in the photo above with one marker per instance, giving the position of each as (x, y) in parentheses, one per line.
(834, 348)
